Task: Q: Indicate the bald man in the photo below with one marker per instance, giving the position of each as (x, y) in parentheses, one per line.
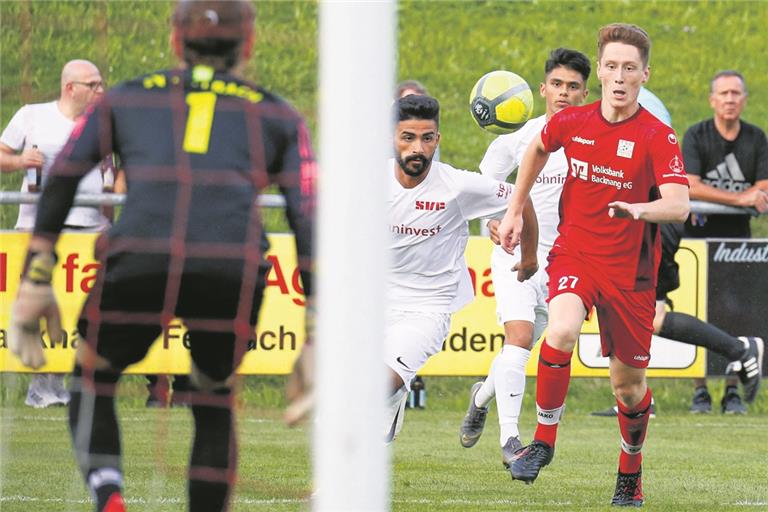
(33, 138)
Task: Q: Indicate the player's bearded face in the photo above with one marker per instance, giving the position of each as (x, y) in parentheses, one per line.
(414, 165)
(415, 146)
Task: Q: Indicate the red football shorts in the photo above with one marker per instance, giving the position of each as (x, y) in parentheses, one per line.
(625, 316)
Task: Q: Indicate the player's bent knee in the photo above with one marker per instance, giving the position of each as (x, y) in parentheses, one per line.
(630, 393)
(205, 383)
(562, 338)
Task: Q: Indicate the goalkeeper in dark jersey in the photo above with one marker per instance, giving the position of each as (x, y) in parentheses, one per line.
(197, 144)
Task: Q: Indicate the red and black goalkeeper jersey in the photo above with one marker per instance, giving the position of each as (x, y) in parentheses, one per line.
(624, 161)
(197, 147)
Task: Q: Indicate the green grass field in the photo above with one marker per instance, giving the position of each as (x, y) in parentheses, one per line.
(693, 463)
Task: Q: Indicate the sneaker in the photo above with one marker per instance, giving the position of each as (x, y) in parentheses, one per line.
(731, 404)
(750, 367)
(474, 421)
(512, 445)
(612, 412)
(528, 461)
(702, 401)
(34, 399)
(629, 490)
(39, 394)
(60, 396)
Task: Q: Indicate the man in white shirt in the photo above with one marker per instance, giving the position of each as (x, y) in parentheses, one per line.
(522, 306)
(430, 204)
(33, 138)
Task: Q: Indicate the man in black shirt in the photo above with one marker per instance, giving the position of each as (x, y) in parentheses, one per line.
(197, 145)
(726, 159)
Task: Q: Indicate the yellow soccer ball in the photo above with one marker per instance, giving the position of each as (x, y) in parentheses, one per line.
(501, 102)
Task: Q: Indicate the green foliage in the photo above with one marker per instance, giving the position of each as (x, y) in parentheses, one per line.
(449, 45)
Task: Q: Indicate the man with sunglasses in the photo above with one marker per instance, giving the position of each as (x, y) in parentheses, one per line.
(32, 140)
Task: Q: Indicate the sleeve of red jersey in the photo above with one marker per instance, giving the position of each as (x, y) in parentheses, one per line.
(551, 134)
(666, 159)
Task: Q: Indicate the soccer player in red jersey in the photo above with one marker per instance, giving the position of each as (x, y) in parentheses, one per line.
(625, 177)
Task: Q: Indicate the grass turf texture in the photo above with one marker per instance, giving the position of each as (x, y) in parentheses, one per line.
(447, 45)
(693, 463)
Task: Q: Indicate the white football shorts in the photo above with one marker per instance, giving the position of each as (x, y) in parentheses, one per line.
(520, 301)
(412, 338)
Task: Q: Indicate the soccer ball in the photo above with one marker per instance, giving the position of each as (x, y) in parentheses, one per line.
(501, 102)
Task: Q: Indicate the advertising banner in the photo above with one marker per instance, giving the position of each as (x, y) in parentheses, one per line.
(476, 337)
(469, 349)
(738, 292)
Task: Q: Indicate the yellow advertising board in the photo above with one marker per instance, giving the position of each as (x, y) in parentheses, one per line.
(476, 337)
(275, 344)
(469, 349)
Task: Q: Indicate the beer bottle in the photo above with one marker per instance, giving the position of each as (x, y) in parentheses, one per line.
(419, 393)
(34, 177)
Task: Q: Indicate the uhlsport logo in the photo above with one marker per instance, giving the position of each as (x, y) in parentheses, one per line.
(582, 140)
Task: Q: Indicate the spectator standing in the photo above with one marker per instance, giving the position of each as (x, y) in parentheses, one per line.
(727, 163)
(33, 138)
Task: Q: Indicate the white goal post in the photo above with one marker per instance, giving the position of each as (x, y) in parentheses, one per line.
(357, 67)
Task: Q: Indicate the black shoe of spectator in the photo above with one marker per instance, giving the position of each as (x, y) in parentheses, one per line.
(702, 401)
(731, 402)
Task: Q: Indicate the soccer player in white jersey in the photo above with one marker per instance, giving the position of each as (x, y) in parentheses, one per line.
(430, 204)
(521, 306)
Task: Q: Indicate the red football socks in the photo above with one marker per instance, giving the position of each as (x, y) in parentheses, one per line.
(554, 375)
(633, 424)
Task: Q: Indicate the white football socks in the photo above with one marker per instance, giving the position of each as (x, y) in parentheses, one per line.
(395, 414)
(487, 391)
(509, 382)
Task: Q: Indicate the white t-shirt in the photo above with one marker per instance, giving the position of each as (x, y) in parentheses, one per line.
(504, 156)
(43, 125)
(429, 229)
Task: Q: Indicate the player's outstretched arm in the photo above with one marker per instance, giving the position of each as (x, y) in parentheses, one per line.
(511, 227)
(528, 264)
(672, 207)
